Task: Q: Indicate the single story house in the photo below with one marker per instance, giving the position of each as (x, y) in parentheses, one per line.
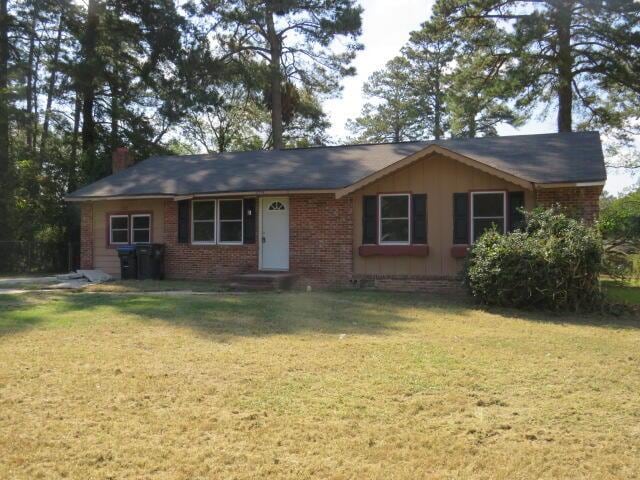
(398, 215)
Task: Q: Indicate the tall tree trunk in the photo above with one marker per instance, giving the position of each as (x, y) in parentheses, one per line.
(73, 167)
(30, 78)
(87, 82)
(115, 118)
(50, 91)
(5, 166)
(275, 76)
(565, 66)
(437, 113)
(396, 130)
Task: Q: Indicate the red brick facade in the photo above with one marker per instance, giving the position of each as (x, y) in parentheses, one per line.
(320, 245)
(186, 261)
(583, 202)
(86, 236)
(409, 283)
(321, 239)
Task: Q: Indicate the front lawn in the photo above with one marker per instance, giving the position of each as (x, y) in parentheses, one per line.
(322, 385)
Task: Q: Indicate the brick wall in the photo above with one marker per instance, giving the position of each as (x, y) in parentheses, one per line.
(410, 283)
(186, 261)
(86, 236)
(582, 202)
(320, 245)
(321, 239)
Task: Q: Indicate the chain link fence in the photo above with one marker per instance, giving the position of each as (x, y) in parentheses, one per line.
(24, 257)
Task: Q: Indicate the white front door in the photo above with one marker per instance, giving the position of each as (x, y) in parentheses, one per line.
(274, 235)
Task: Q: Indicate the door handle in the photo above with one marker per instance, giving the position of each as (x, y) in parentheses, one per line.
(264, 240)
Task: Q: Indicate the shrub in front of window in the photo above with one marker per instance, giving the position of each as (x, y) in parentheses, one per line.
(553, 263)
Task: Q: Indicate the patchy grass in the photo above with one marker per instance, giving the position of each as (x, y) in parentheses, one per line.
(623, 292)
(327, 385)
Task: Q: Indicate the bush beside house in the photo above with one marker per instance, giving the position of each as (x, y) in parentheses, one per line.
(553, 263)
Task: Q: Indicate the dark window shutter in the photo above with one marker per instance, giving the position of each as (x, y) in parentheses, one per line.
(516, 217)
(460, 218)
(249, 216)
(369, 219)
(183, 221)
(419, 218)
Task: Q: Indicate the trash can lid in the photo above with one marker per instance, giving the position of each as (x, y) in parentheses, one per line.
(126, 249)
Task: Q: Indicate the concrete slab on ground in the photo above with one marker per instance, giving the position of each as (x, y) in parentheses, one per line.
(95, 276)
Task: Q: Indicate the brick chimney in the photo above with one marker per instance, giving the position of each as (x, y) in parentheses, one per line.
(121, 159)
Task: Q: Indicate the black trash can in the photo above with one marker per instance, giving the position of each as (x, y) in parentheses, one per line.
(150, 261)
(128, 263)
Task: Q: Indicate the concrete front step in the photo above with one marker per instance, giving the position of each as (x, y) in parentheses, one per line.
(263, 281)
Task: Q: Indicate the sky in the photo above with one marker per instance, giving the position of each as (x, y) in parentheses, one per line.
(385, 29)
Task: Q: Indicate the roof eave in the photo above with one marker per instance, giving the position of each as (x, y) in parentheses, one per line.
(595, 183)
(177, 197)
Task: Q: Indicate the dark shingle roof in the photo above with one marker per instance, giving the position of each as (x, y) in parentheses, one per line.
(547, 158)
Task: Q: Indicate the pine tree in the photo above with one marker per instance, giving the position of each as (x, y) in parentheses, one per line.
(293, 38)
(392, 113)
(573, 56)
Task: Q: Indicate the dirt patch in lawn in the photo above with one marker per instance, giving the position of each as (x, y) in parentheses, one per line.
(327, 385)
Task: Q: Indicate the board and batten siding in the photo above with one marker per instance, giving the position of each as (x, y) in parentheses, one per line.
(106, 258)
(439, 177)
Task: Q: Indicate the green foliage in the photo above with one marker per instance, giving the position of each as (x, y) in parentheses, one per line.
(620, 226)
(577, 58)
(449, 79)
(552, 264)
(299, 46)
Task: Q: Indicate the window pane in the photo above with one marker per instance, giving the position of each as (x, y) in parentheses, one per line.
(488, 205)
(394, 206)
(230, 231)
(231, 210)
(204, 210)
(120, 223)
(141, 236)
(119, 236)
(141, 222)
(482, 225)
(395, 231)
(204, 232)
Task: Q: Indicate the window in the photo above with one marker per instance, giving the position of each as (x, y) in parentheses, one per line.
(230, 221)
(276, 206)
(487, 210)
(118, 229)
(141, 228)
(394, 219)
(204, 221)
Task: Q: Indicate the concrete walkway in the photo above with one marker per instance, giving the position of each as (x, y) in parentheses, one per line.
(161, 293)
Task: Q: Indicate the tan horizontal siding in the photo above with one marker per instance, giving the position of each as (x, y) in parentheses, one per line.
(439, 177)
(106, 258)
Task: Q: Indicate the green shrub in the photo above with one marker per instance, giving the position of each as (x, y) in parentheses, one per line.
(553, 263)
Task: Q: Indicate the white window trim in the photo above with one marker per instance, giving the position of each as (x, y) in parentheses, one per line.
(504, 211)
(111, 242)
(408, 218)
(138, 215)
(219, 221)
(215, 224)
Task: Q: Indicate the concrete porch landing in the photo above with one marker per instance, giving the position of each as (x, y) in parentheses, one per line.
(263, 281)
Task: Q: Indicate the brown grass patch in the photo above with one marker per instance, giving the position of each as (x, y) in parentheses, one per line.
(351, 385)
